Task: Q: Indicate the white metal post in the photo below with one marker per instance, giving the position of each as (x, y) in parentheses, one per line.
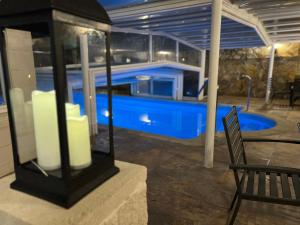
(213, 82)
(177, 51)
(202, 74)
(180, 86)
(70, 92)
(84, 52)
(150, 47)
(270, 74)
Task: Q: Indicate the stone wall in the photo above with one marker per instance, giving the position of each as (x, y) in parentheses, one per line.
(255, 63)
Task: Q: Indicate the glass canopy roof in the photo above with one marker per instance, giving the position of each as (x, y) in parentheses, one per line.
(186, 20)
(281, 18)
(116, 4)
(245, 23)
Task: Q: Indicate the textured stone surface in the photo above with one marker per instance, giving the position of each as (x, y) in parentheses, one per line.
(255, 63)
(181, 191)
(119, 201)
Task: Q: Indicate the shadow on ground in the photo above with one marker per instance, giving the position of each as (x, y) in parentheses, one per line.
(181, 191)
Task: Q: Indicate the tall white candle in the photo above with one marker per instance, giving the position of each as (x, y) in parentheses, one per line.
(79, 142)
(46, 129)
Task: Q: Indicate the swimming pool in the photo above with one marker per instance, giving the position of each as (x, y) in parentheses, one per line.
(168, 118)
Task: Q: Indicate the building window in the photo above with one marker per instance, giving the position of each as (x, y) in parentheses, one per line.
(144, 87)
(190, 84)
(129, 48)
(159, 87)
(164, 49)
(163, 88)
(189, 55)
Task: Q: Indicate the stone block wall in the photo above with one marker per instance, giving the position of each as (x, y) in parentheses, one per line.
(255, 63)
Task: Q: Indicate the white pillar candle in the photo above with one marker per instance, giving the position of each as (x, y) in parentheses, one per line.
(72, 110)
(79, 142)
(46, 129)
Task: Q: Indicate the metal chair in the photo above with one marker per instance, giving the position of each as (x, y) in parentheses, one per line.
(245, 174)
(294, 92)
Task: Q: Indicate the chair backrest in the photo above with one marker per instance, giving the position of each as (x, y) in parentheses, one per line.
(234, 137)
(296, 86)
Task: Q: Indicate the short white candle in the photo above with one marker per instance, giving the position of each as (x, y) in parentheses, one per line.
(46, 129)
(72, 110)
(79, 142)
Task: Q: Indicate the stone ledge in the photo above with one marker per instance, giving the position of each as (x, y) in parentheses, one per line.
(122, 200)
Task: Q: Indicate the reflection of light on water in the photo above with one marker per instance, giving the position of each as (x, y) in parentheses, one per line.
(105, 113)
(145, 118)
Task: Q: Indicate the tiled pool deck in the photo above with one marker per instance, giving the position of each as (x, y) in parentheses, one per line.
(182, 192)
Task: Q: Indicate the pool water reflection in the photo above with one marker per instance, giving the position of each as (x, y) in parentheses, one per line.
(168, 118)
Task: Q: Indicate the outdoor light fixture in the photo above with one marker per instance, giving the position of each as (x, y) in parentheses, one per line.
(144, 17)
(164, 53)
(55, 157)
(278, 45)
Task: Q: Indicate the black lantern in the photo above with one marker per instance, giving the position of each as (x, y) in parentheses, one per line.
(58, 154)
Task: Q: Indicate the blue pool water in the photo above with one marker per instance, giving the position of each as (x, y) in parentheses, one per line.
(168, 118)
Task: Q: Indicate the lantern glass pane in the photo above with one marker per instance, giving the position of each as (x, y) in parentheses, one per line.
(33, 98)
(84, 49)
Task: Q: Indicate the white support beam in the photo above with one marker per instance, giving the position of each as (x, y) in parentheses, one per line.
(180, 87)
(270, 75)
(213, 83)
(202, 74)
(150, 47)
(177, 51)
(84, 52)
(281, 24)
(279, 16)
(158, 33)
(70, 92)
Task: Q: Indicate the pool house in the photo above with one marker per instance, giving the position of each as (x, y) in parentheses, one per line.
(174, 112)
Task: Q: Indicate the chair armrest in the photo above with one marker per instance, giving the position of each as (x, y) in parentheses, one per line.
(266, 169)
(283, 141)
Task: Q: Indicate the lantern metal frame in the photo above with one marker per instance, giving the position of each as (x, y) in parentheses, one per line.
(70, 186)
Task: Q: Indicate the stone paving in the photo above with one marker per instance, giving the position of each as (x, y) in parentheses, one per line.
(182, 192)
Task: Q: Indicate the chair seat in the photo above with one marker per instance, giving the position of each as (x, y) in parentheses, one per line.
(279, 188)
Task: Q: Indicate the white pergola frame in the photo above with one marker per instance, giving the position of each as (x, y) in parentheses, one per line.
(240, 11)
(219, 9)
(258, 19)
(228, 10)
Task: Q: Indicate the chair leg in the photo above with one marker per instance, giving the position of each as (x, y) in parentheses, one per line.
(233, 200)
(236, 210)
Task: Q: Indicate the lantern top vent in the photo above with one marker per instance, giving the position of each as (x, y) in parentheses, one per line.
(89, 9)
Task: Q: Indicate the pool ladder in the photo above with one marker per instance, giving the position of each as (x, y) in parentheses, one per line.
(247, 77)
